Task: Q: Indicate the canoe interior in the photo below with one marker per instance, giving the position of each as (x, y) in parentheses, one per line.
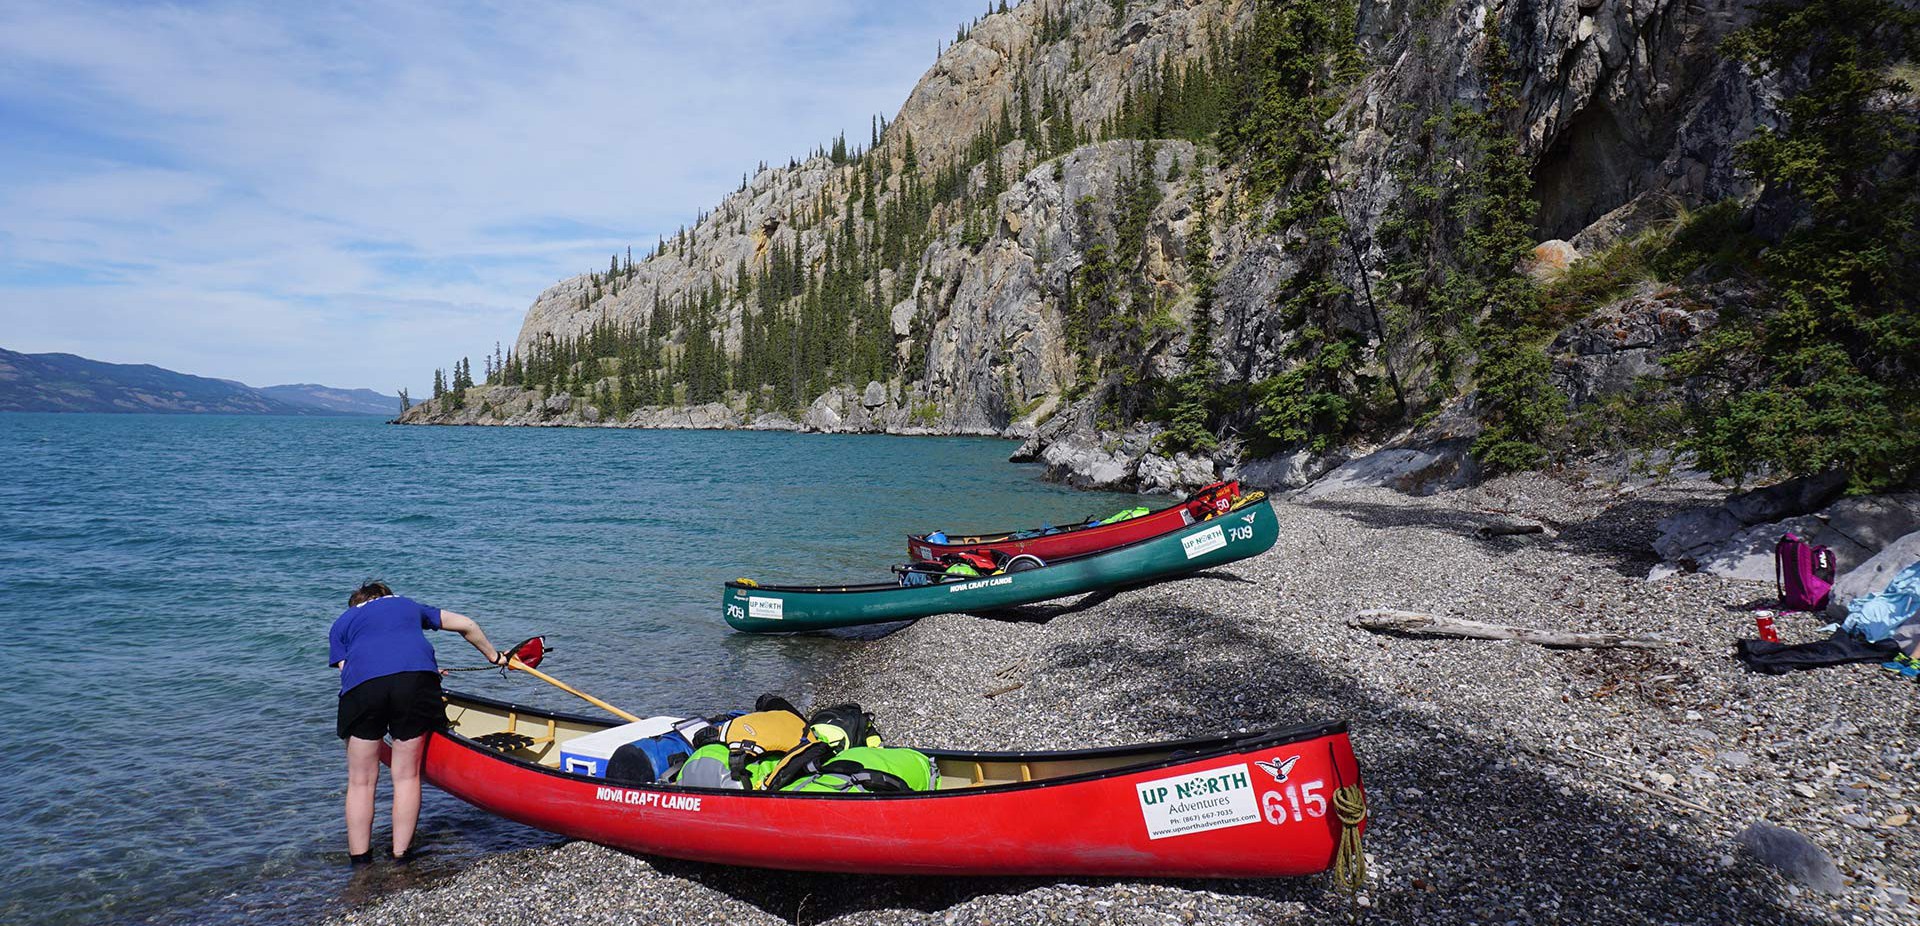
(471, 717)
(982, 537)
(1244, 501)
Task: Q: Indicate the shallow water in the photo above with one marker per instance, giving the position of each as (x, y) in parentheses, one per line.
(168, 582)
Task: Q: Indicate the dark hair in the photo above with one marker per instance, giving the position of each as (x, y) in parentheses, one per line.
(368, 590)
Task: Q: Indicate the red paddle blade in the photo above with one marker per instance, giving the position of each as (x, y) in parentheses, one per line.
(531, 652)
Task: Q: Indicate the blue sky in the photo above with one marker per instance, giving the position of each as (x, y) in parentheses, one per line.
(356, 193)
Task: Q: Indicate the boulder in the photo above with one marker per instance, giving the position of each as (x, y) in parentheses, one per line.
(590, 414)
(773, 421)
(1794, 496)
(875, 396)
(1088, 462)
(1749, 553)
(1286, 471)
(821, 415)
(902, 318)
(1714, 540)
(1874, 521)
(1412, 470)
(558, 404)
(1180, 473)
(1874, 574)
(1694, 531)
(1721, 534)
(1793, 855)
(1550, 259)
(711, 416)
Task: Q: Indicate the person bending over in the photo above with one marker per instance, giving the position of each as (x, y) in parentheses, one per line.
(390, 686)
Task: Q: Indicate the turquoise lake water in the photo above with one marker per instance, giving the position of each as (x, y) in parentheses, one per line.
(167, 584)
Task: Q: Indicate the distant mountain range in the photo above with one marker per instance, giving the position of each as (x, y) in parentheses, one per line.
(339, 401)
(66, 383)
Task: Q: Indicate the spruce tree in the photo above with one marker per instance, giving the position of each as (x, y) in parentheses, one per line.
(1521, 413)
(1825, 374)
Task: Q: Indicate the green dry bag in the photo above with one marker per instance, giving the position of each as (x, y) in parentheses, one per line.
(872, 770)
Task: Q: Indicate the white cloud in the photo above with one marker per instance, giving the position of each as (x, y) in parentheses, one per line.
(356, 193)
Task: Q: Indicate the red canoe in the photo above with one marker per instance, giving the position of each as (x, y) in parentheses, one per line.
(1259, 804)
(1079, 539)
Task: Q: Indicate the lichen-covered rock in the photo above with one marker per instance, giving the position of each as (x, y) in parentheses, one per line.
(1550, 259)
(1610, 352)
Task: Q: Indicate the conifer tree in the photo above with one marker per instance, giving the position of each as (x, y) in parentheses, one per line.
(1296, 61)
(1826, 373)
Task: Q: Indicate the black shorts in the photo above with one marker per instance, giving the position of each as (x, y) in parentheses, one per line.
(405, 704)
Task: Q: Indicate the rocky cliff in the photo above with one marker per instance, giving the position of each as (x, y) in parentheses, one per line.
(1625, 109)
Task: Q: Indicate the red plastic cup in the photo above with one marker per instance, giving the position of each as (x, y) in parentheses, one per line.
(1767, 633)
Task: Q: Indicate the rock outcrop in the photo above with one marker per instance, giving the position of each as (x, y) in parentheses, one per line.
(1736, 539)
(1628, 112)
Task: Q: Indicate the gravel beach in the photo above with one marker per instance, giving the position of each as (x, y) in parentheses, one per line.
(1509, 783)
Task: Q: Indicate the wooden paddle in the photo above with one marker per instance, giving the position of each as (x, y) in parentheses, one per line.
(536, 648)
(515, 663)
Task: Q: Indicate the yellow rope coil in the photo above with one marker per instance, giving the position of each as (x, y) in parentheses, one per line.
(1350, 861)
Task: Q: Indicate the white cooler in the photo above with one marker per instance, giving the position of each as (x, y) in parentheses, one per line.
(588, 755)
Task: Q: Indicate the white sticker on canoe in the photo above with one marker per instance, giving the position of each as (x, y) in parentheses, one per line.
(1202, 801)
(771, 609)
(1206, 541)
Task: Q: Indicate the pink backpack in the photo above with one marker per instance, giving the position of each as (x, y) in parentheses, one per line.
(1802, 574)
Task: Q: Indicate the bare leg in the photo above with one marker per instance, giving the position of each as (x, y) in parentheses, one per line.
(363, 773)
(405, 768)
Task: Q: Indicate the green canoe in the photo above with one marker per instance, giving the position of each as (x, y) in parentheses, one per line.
(1248, 530)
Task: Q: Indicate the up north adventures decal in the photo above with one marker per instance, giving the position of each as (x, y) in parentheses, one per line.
(1198, 802)
(1204, 542)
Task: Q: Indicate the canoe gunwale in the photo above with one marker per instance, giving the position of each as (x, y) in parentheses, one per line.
(1181, 752)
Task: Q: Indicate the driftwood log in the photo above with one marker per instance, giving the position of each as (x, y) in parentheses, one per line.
(1512, 528)
(1415, 622)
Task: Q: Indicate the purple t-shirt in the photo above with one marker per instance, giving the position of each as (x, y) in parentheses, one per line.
(383, 637)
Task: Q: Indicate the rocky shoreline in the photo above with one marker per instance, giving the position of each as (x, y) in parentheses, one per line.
(1066, 440)
(1508, 782)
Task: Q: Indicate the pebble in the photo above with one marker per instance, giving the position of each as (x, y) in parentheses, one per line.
(1499, 773)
